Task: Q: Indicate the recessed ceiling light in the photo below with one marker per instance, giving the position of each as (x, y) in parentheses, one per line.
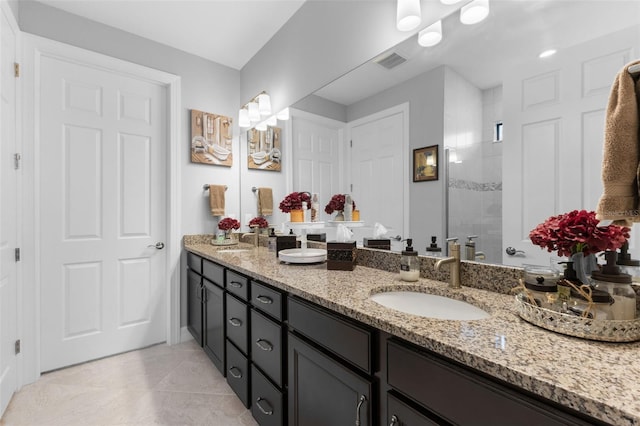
(547, 53)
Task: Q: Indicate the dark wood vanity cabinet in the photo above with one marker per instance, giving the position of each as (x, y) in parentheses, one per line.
(194, 300)
(329, 368)
(213, 320)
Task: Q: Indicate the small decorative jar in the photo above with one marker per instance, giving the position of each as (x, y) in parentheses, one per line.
(618, 286)
(296, 215)
(541, 284)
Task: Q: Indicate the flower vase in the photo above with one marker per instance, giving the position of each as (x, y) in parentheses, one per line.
(227, 234)
(584, 265)
(339, 216)
(296, 215)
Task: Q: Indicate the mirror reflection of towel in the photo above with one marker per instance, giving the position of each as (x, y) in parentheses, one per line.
(216, 199)
(265, 201)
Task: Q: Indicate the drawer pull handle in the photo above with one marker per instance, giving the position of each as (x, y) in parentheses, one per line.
(235, 322)
(265, 345)
(259, 402)
(235, 284)
(264, 299)
(394, 420)
(360, 402)
(235, 372)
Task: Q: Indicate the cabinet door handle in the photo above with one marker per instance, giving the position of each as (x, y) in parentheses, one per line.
(235, 284)
(235, 372)
(260, 402)
(394, 420)
(265, 345)
(235, 322)
(360, 402)
(264, 299)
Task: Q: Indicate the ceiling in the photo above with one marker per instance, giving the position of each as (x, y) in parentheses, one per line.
(228, 32)
(515, 31)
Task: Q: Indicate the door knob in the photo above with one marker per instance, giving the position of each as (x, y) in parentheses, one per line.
(158, 245)
(512, 251)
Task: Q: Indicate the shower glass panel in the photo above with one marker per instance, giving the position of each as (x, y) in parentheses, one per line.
(474, 194)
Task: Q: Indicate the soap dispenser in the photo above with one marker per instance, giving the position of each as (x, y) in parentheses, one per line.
(618, 285)
(409, 263)
(271, 244)
(433, 249)
(627, 264)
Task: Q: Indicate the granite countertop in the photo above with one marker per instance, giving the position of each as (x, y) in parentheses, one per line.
(596, 378)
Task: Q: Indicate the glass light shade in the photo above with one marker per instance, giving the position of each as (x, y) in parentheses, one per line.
(254, 113)
(547, 53)
(449, 1)
(408, 16)
(474, 12)
(262, 126)
(431, 35)
(271, 121)
(264, 104)
(283, 115)
(243, 118)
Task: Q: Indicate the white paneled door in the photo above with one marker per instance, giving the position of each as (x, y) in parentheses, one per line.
(102, 212)
(378, 168)
(554, 130)
(8, 214)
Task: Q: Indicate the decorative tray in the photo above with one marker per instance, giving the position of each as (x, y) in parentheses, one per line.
(226, 242)
(601, 330)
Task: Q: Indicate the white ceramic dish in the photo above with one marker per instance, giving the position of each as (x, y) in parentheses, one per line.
(308, 255)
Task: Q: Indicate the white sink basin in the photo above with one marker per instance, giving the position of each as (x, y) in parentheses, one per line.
(429, 305)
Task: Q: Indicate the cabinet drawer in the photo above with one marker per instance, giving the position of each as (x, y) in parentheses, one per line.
(400, 414)
(194, 262)
(267, 299)
(213, 272)
(237, 323)
(346, 339)
(441, 387)
(266, 352)
(238, 285)
(266, 400)
(238, 373)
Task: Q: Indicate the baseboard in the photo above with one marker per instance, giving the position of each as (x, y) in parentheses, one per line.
(185, 336)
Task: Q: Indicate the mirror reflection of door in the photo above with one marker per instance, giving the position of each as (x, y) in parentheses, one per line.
(555, 113)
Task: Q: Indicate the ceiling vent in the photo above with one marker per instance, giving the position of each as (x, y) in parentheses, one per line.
(391, 61)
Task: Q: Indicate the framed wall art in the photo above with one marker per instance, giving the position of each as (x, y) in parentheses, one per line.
(265, 149)
(211, 138)
(425, 164)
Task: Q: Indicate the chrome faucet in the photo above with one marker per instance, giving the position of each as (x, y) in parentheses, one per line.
(454, 268)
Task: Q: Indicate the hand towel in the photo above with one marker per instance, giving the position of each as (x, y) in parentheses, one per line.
(621, 155)
(265, 201)
(216, 199)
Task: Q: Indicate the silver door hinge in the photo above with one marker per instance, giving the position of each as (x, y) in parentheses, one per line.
(17, 254)
(16, 161)
(16, 69)
(17, 346)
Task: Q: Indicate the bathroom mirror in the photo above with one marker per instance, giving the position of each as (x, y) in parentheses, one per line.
(593, 40)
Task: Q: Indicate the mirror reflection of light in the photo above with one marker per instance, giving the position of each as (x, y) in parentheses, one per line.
(547, 53)
(500, 341)
(431, 35)
(474, 12)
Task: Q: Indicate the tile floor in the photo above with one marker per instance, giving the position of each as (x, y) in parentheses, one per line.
(159, 385)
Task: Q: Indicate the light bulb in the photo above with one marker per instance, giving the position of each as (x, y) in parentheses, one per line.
(243, 118)
(408, 15)
(474, 12)
(431, 35)
(254, 114)
(264, 104)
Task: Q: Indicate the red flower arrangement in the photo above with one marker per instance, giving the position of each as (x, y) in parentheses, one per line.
(294, 201)
(228, 224)
(337, 204)
(260, 222)
(576, 232)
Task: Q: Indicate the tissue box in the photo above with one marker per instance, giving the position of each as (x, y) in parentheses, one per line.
(341, 256)
(284, 242)
(382, 244)
(317, 237)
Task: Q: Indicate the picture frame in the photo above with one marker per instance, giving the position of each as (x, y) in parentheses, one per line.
(211, 139)
(265, 149)
(425, 164)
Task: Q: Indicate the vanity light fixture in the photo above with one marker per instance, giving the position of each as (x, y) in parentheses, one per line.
(431, 35)
(283, 115)
(254, 112)
(474, 12)
(243, 118)
(271, 121)
(547, 53)
(261, 126)
(264, 104)
(408, 15)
